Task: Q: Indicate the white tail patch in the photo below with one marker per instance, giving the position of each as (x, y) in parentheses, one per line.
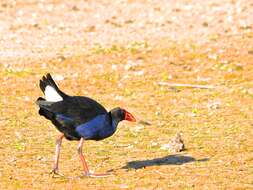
(51, 94)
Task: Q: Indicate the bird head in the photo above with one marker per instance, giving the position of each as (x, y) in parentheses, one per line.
(120, 114)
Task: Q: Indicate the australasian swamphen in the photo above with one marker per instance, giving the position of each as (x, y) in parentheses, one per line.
(77, 118)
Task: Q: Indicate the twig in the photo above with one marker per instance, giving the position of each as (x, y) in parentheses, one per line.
(101, 163)
(185, 85)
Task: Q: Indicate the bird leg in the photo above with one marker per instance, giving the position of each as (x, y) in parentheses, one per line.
(80, 152)
(57, 154)
(84, 163)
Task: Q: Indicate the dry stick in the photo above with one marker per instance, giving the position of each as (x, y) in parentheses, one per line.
(185, 85)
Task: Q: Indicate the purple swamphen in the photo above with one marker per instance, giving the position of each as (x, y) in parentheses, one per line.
(77, 118)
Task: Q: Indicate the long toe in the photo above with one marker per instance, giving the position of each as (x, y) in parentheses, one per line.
(56, 173)
(97, 175)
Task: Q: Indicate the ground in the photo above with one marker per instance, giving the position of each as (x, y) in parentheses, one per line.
(118, 52)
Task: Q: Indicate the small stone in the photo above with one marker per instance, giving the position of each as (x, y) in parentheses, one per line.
(61, 58)
(75, 8)
(175, 145)
(205, 24)
(250, 52)
(157, 113)
(90, 29)
(130, 65)
(214, 105)
(39, 158)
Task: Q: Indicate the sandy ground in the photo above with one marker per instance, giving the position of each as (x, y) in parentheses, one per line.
(38, 30)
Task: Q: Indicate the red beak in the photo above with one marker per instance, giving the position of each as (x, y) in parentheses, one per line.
(129, 116)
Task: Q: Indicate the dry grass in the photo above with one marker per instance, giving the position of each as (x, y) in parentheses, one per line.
(216, 123)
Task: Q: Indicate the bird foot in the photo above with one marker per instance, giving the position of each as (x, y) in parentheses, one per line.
(95, 175)
(55, 173)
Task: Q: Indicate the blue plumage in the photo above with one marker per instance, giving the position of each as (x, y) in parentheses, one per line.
(98, 128)
(64, 118)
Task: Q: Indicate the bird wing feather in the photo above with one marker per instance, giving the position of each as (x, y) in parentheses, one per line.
(80, 109)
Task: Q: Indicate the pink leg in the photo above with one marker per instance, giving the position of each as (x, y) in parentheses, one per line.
(80, 152)
(84, 163)
(57, 154)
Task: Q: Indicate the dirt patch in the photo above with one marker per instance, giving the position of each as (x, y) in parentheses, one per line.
(41, 30)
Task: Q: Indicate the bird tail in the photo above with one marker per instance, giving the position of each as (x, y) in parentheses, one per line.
(42, 101)
(50, 89)
(47, 113)
(45, 108)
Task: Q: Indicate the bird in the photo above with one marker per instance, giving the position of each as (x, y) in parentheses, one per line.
(77, 118)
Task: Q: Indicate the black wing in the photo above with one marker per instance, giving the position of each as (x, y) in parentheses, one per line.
(64, 124)
(80, 109)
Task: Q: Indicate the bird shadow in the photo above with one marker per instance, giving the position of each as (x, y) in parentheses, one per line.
(175, 159)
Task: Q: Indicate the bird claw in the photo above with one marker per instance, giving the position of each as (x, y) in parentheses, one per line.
(55, 172)
(96, 175)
